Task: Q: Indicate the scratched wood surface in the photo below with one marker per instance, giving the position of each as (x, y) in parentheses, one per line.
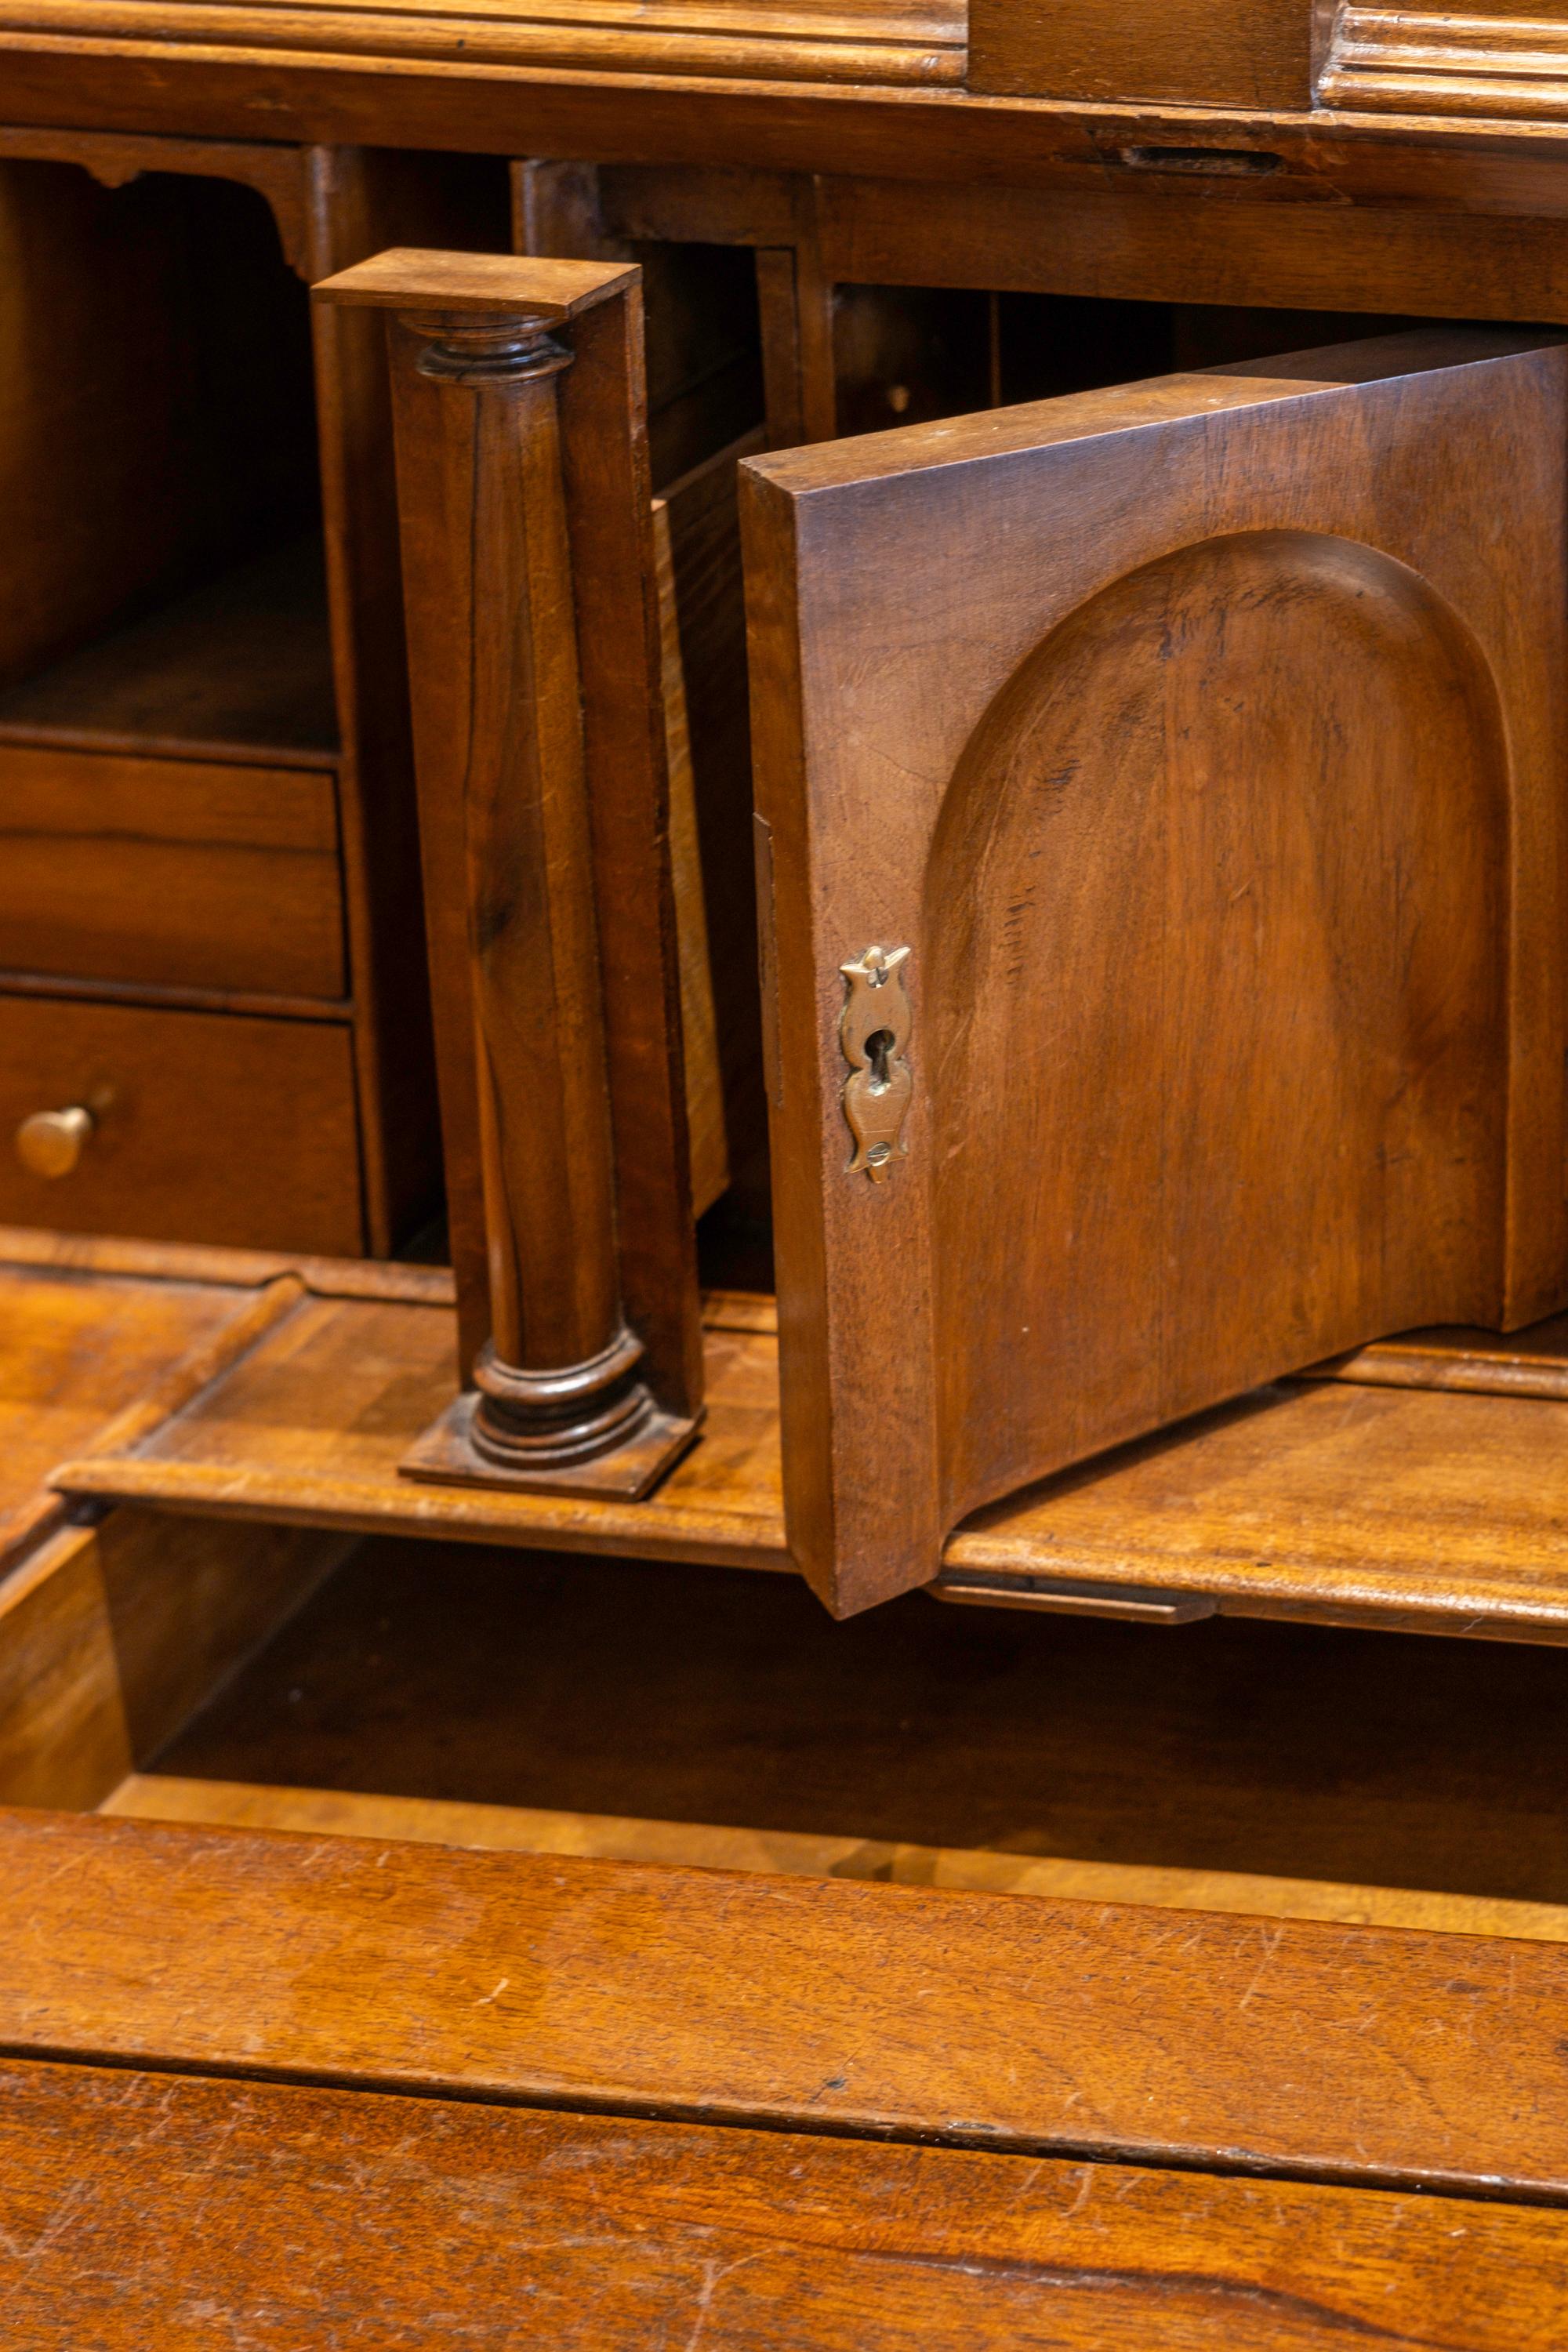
(1339, 2053)
(79, 1352)
(139, 2208)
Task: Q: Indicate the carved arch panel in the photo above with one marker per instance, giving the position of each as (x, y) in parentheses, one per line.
(1202, 741)
(1215, 945)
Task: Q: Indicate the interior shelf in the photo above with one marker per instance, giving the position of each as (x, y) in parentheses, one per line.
(1420, 1509)
(239, 667)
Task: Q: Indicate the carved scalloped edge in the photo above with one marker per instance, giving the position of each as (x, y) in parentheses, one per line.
(1404, 61)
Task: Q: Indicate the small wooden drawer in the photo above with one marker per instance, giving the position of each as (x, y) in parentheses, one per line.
(170, 873)
(205, 1127)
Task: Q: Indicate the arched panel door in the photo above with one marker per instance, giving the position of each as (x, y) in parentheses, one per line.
(1160, 798)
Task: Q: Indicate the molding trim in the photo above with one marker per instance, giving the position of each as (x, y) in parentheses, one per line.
(920, 42)
(1408, 61)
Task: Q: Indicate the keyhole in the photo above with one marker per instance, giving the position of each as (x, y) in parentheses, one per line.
(879, 1045)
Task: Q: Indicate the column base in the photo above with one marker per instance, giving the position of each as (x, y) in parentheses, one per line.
(446, 1456)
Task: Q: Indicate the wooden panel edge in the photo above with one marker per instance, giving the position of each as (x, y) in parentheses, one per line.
(1294, 2048)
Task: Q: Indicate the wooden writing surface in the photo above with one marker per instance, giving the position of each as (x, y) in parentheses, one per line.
(1191, 747)
(1385, 2057)
(143, 2209)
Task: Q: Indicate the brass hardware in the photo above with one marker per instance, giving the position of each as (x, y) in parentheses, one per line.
(873, 1029)
(51, 1142)
(1136, 1604)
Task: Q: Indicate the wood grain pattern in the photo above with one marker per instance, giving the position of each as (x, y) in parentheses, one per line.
(114, 158)
(210, 1126)
(1144, 236)
(1241, 53)
(176, 872)
(389, 1377)
(326, 1277)
(1330, 2053)
(113, 297)
(700, 1845)
(1508, 62)
(79, 1352)
(141, 2208)
(1104, 577)
(110, 1636)
(1533, 1362)
(932, 136)
(236, 671)
(699, 1021)
(1139, 1763)
(919, 41)
(548, 560)
(705, 549)
(1382, 1507)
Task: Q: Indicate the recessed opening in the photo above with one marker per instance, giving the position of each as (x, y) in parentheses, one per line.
(1213, 163)
(591, 1701)
(164, 582)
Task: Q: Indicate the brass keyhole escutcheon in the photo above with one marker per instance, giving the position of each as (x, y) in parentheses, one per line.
(51, 1142)
(873, 1029)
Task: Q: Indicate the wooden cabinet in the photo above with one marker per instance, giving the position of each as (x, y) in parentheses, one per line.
(206, 804)
(1160, 862)
(1160, 748)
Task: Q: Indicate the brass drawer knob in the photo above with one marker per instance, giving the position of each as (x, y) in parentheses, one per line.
(52, 1142)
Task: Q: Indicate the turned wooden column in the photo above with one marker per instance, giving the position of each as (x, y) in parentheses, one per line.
(565, 1393)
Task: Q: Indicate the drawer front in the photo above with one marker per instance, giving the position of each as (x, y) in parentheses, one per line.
(173, 873)
(206, 1126)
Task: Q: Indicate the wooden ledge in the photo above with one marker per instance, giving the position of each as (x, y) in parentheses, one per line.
(140, 2209)
(920, 42)
(260, 1387)
(1280, 2046)
(1402, 60)
(1354, 1504)
(514, 1829)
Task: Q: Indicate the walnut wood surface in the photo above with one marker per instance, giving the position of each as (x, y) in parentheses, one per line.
(129, 1331)
(110, 1636)
(1528, 1364)
(141, 2207)
(176, 872)
(557, 571)
(698, 1022)
(1325, 2052)
(280, 174)
(1242, 53)
(116, 297)
(919, 41)
(209, 1127)
(240, 667)
(1360, 1505)
(153, 84)
(1041, 800)
(326, 1277)
(425, 1821)
(1496, 59)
